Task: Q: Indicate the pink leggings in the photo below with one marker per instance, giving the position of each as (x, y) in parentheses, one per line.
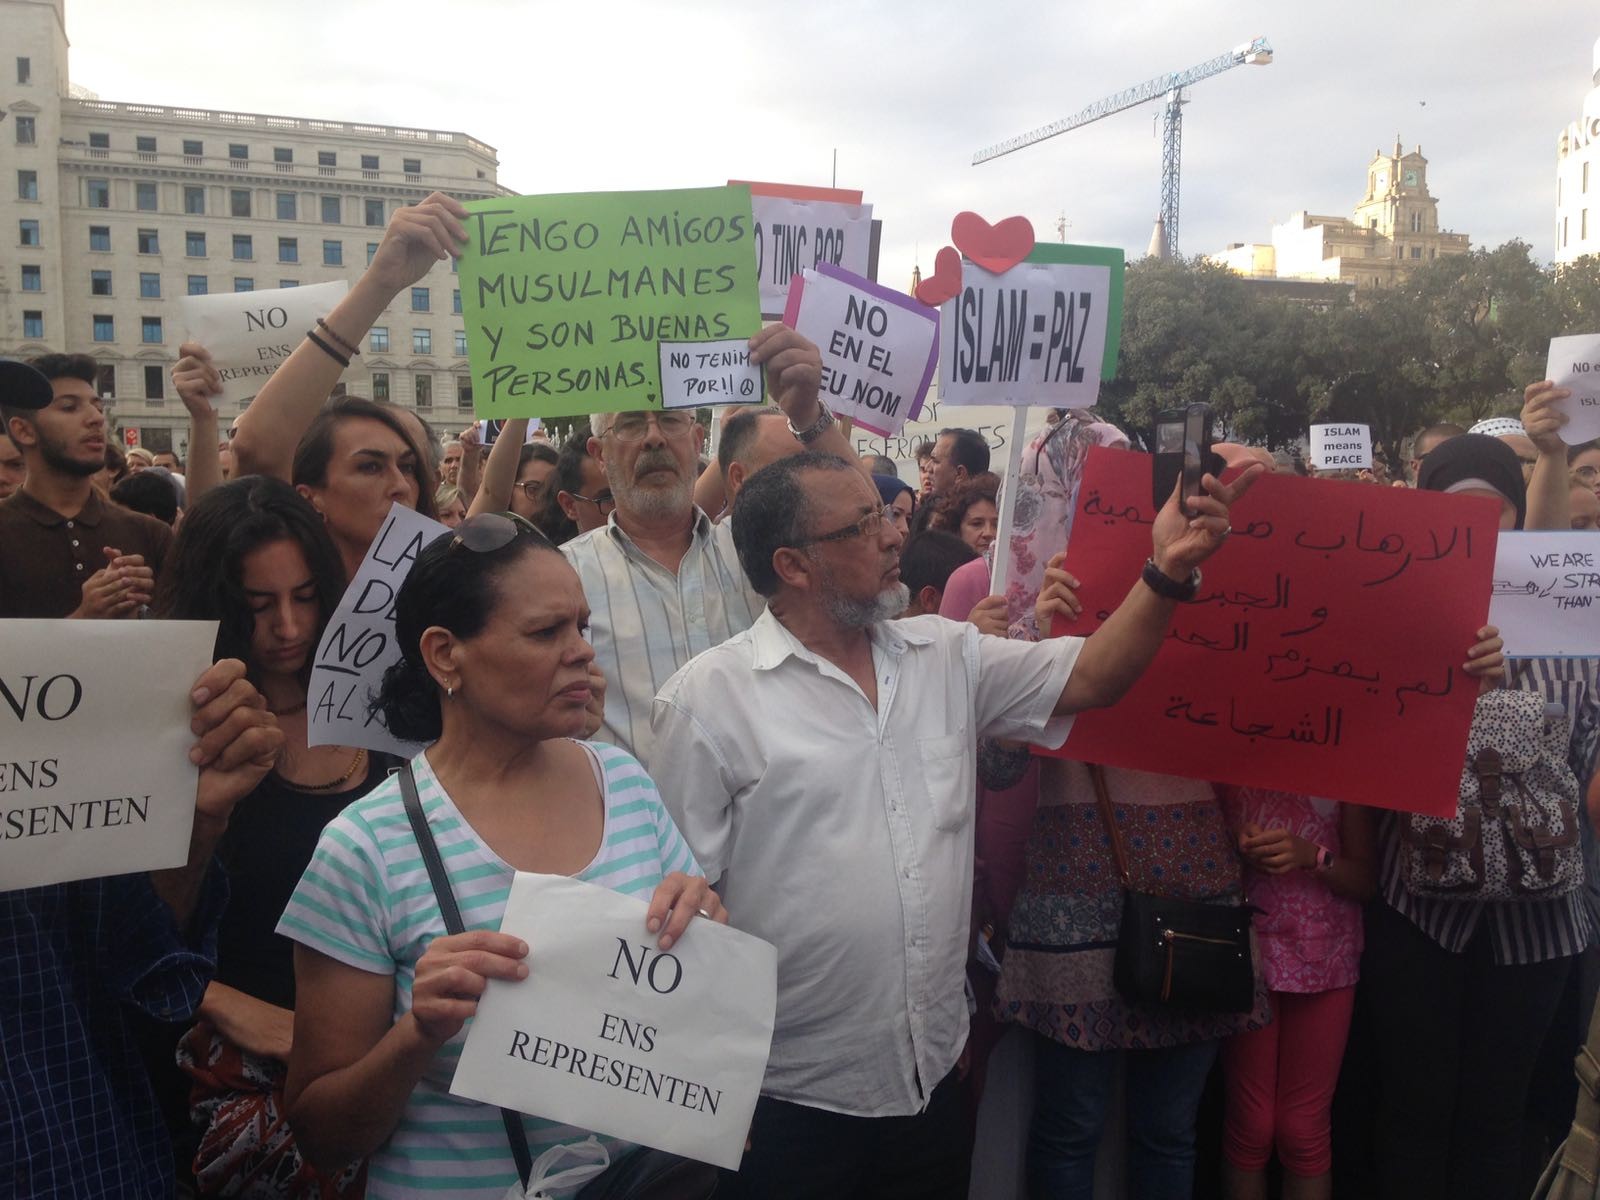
(1280, 1083)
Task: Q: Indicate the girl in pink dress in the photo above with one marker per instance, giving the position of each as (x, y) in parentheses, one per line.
(1310, 863)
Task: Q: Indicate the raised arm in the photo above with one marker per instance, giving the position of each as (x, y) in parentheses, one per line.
(1550, 490)
(1116, 654)
(500, 472)
(270, 429)
(196, 382)
(794, 377)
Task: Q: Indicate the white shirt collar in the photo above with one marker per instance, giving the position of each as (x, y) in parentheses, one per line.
(771, 641)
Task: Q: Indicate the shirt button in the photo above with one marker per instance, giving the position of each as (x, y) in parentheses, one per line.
(79, 566)
(74, 541)
(70, 525)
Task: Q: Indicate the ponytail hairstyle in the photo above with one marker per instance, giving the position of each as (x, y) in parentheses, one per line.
(455, 588)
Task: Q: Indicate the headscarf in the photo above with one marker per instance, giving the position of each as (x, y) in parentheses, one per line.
(1477, 459)
(890, 486)
(1047, 498)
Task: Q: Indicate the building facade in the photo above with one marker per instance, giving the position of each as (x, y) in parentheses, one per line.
(1578, 178)
(110, 211)
(1394, 229)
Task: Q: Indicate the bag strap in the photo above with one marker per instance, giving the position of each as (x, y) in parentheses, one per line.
(1108, 817)
(451, 912)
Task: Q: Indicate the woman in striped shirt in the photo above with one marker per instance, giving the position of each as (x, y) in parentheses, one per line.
(495, 674)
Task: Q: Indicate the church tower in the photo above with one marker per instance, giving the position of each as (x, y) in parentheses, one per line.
(1397, 203)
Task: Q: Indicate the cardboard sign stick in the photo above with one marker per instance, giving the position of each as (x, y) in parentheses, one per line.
(1008, 502)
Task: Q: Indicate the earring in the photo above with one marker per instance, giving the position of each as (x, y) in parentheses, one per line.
(450, 692)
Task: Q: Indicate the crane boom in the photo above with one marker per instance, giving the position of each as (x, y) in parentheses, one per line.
(1255, 52)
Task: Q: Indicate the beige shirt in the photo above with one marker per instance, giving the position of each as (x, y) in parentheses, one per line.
(843, 834)
(646, 622)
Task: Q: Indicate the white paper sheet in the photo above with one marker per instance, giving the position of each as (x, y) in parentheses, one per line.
(358, 645)
(249, 334)
(95, 777)
(1339, 447)
(1034, 335)
(1546, 594)
(605, 1033)
(1574, 363)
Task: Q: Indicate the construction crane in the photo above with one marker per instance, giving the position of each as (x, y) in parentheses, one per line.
(1255, 53)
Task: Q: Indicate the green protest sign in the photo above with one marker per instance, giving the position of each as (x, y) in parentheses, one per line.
(567, 297)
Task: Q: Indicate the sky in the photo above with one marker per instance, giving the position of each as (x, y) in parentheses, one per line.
(632, 94)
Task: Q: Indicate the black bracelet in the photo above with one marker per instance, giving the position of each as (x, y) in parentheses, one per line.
(352, 351)
(327, 349)
(1163, 585)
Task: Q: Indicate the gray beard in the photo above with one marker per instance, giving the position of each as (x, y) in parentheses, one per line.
(860, 614)
(652, 503)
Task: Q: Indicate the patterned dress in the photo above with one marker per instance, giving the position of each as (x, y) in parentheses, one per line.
(1056, 975)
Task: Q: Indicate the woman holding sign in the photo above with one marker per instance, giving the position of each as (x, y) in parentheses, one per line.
(254, 556)
(495, 675)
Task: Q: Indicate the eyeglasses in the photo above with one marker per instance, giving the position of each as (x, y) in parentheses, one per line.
(633, 427)
(532, 488)
(1587, 474)
(604, 501)
(867, 526)
(488, 532)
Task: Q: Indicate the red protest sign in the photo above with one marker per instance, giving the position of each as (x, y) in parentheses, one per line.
(1323, 653)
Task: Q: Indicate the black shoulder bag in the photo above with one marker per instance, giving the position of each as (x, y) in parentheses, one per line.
(1179, 953)
(640, 1174)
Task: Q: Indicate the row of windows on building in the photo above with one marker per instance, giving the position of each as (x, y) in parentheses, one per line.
(27, 134)
(198, 285)
(155, 386)
(241, 201)
(243, 245)
(152, 331)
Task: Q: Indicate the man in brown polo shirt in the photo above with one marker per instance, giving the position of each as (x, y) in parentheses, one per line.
(65, 550)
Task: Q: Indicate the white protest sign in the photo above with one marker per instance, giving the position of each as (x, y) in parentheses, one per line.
(1341, 447)
(879, 347)
(358, 645)
(1033, 335)
(608, 1034)
(95, 777)
(249, 334)
(1574, 363)
(696, 373)
(792, 234)
(1546, 594)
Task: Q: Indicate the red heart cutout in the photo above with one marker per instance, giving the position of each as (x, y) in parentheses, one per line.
(945, 282)
(995, 248)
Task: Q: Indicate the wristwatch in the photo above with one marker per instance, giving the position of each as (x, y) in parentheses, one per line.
(1163, 585)
(1324, 858)
(812, 432)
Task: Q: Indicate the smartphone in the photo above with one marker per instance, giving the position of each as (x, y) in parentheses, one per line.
(489, 431)
(1183, 451)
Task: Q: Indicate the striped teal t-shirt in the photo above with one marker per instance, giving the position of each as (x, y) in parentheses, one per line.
(366, 901)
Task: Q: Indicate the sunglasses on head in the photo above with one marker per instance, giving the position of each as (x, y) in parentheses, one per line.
(488, 532)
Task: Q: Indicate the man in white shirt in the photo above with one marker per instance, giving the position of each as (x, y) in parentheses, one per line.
(663, 582)
(823, 771)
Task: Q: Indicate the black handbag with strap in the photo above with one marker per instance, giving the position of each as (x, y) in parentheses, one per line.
(641, 1173)
(1178, 953)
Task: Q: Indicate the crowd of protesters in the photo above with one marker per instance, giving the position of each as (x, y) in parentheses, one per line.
(848, 694)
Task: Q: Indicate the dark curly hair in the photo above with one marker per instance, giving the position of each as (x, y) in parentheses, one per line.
(200, 580)
(950, 509)
(456, 591)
